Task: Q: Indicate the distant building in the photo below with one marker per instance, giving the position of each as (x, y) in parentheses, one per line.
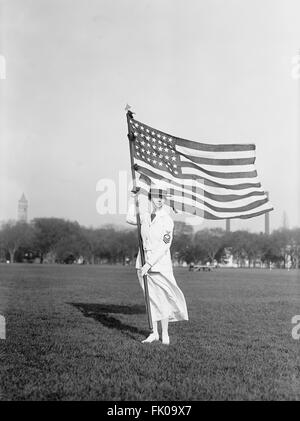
(23, 209)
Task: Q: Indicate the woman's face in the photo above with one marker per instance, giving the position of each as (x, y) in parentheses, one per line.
(158, 202)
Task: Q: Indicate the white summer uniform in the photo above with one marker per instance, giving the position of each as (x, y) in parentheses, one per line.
(166, 298)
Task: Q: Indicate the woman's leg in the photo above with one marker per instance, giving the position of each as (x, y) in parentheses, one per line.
(153, 336)
(164, 331)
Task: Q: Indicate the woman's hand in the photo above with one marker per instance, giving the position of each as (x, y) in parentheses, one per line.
(145, 269)
(134, 192)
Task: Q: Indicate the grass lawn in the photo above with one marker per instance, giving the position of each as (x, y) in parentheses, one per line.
(74, 332)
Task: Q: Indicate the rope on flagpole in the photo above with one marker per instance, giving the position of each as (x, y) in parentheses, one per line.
(131, 138)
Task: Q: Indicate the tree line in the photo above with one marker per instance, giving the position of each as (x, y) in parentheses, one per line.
(56, 240)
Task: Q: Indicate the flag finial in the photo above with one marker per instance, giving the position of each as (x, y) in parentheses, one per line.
(128, 109)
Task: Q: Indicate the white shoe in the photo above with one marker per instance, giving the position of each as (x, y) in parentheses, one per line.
(151, 338)
(166, 340)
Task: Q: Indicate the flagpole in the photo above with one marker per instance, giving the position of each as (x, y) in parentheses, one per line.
(131, 138)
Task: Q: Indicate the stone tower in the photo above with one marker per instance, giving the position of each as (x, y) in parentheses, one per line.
(22, 209)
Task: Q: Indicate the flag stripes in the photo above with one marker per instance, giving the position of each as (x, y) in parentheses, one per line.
(214, 148)
(212, 181)
(247, 154)
(217, 174)
(182, 201)
(145, 168)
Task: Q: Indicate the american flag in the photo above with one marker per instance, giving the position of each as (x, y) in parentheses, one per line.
(208, 180)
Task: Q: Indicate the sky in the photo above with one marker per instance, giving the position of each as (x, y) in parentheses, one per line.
(215, 71)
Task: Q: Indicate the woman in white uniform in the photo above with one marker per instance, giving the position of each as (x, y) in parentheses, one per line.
(167, 302)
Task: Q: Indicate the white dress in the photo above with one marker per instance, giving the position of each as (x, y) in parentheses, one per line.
(166, 298)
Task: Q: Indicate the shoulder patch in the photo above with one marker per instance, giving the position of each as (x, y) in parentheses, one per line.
(167, 237)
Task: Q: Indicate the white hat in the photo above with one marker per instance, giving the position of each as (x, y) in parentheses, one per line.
(158, 189)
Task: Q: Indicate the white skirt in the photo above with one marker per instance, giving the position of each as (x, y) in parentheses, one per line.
(166, 298)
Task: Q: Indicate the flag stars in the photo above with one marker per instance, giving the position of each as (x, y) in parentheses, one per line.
(155, 148)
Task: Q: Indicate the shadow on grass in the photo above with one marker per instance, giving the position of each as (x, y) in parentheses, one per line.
(102, 313)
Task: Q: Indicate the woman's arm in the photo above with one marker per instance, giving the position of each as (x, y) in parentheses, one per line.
(166, 241)
(131, 215)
